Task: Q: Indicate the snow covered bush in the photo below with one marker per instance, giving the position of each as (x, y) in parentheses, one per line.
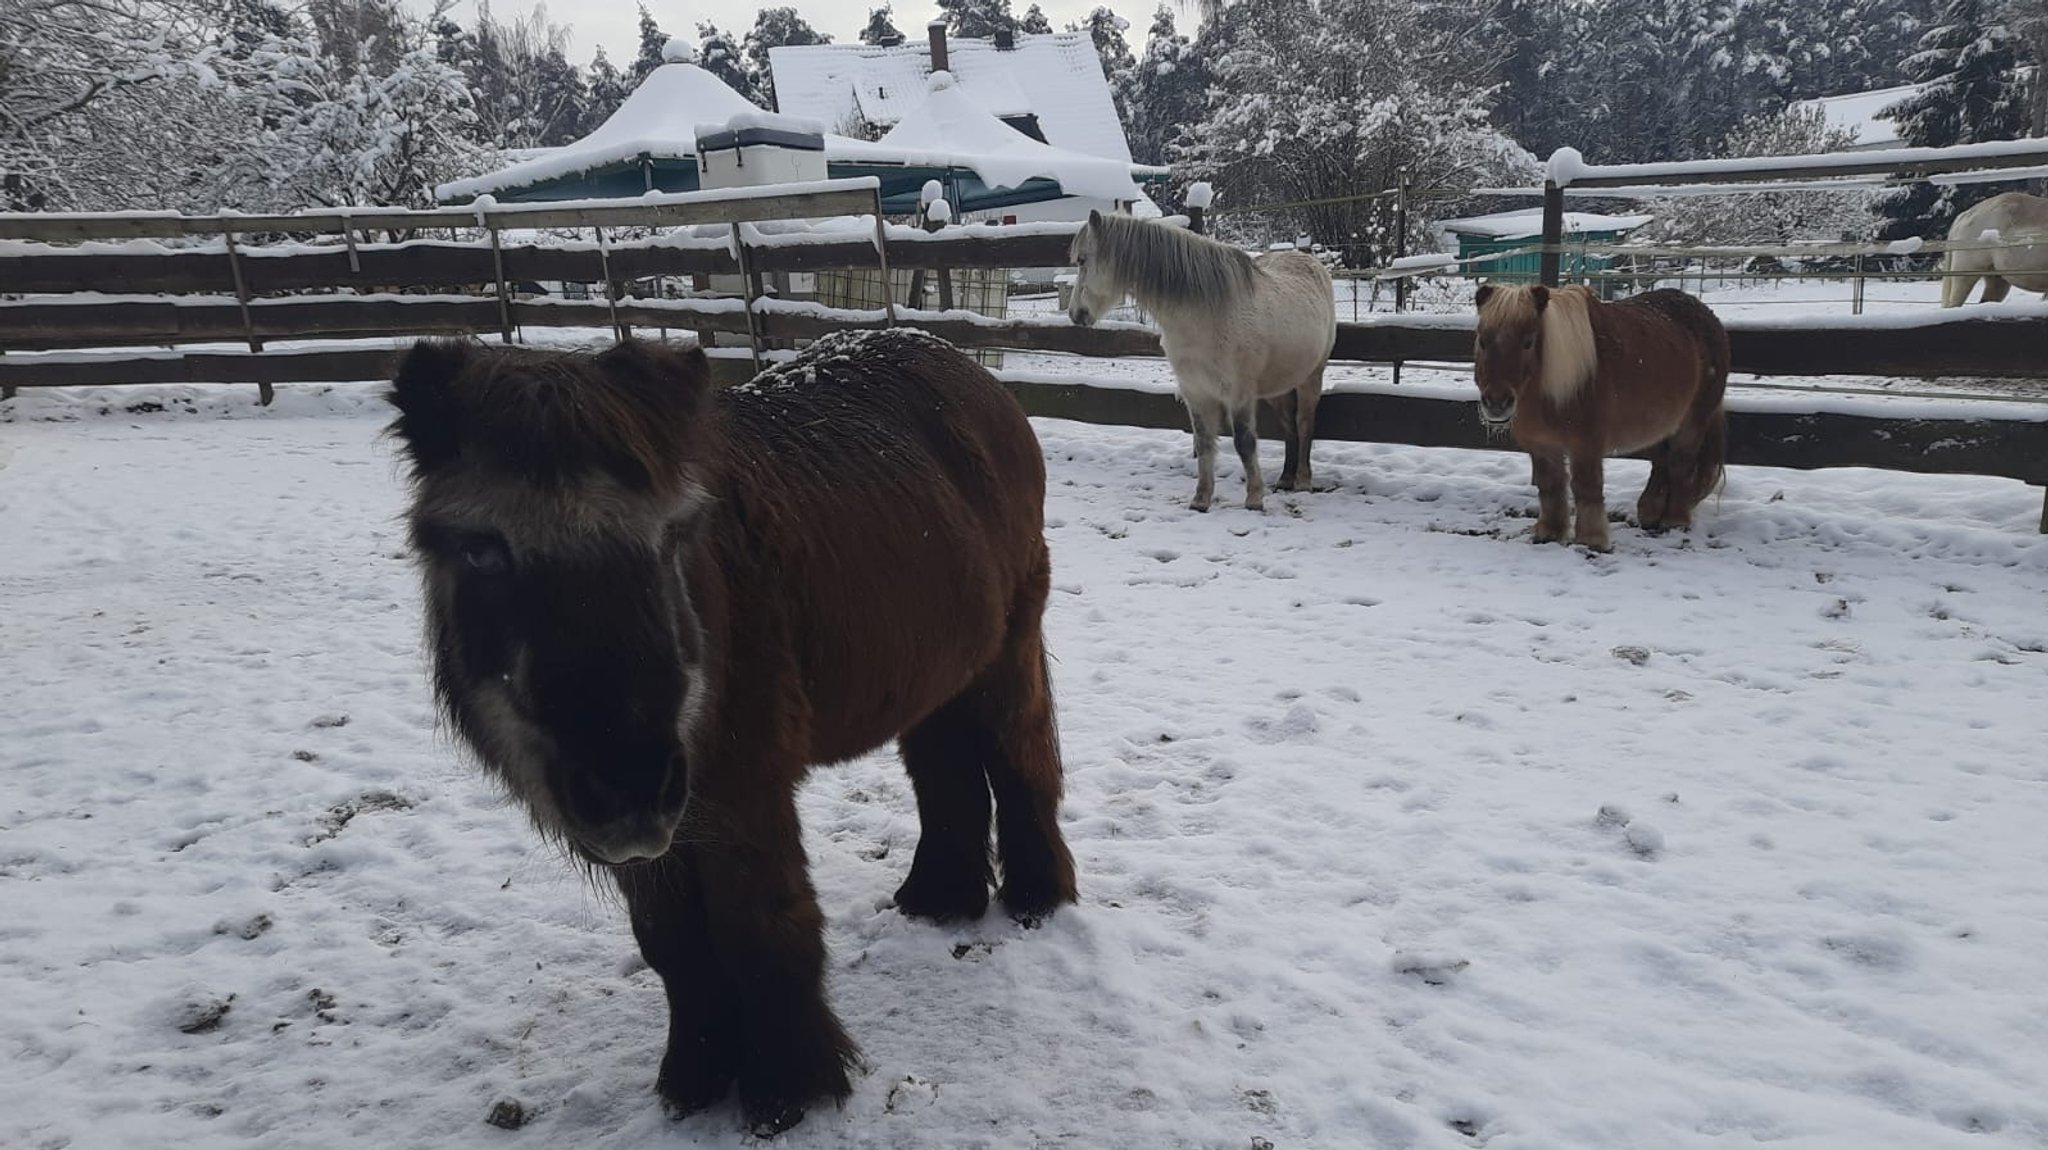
(1768, 218)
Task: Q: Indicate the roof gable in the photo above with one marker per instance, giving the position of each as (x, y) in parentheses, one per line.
(1057, 77)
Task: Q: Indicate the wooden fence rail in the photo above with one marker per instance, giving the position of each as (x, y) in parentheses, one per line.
(357, 291)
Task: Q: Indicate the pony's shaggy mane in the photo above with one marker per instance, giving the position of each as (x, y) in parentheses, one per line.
(1168, 265)
(1570, 358)
(634, 412)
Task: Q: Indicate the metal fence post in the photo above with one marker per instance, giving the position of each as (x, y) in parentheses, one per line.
(1553, 234)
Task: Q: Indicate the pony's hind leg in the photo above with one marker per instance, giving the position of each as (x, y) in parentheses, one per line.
(1205, 456)
(1014, 696)
(1285, 406)
(1306, 397)
(1996, 288)
(1244, 435)
(1553, 511)
(950, 873)
(1651, 507)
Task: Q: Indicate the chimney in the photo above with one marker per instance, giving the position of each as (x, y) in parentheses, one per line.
(938, 32)
(890, 40)
(1005, 40)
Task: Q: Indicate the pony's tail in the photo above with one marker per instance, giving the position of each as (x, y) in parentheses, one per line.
(1710, 466)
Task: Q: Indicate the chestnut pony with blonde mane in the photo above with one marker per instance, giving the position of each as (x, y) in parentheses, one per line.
(1576, 380)
(653, 605)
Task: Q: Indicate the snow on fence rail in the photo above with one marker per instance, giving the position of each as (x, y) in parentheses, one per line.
(62, 331)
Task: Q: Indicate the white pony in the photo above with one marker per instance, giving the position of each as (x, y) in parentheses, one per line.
(2008, 235)
(1236, 330)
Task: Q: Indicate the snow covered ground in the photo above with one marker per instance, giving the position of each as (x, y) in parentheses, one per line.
(1393, 829)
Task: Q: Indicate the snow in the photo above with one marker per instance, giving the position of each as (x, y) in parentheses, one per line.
(1859, 113)
(1529, 222)
(1345, 871)
(950, 128)
(1567, 169)
(1057, 78)
(762, 118)
(659, 119)
(1566, 165)
(1200, 195)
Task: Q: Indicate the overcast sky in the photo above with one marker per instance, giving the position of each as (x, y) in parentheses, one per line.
(615, 24)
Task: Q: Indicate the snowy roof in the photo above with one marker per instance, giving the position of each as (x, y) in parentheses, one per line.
(659, 119)
(1056, 77)
(951, 128)
(1528, 223)
(1859, 113)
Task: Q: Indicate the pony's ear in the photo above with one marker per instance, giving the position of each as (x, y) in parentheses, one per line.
(1540, 296)
(1095, 218)
(1484, 293)
(674, 379)
(429, 423)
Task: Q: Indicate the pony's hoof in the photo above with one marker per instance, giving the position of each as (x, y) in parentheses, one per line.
(942, 901)
(1255, 504)
(1198, 505)
(684, 1094)
(767, 1119)
(1545, 535)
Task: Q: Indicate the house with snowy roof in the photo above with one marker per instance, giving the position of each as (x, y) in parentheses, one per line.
(939, 130)
(1047, 88)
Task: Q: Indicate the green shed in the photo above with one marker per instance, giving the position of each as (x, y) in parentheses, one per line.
(1502, 232)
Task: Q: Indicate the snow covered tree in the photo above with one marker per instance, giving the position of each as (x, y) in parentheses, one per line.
(1769, 218)
(1168, 87)
(977, 19)
(1035, 22)
(608, 89)
(879, 26)
(1314, 105)
(75, 78)
(527, 93)
(652, 41)
(1119, 67)
(774, 28)
(718, 52)
(2027, 20)
(1969, 62)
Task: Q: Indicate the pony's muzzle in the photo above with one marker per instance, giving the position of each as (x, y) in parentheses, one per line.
(1080, 316)
(1497, 414)
(617, 825)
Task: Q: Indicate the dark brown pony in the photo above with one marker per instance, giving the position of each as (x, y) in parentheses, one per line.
(653, 606)
(1577, 380)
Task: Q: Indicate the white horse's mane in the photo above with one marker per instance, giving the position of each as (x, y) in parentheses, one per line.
(1168, 265)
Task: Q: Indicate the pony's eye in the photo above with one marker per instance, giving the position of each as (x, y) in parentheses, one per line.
(1528, 343)
(484, 554)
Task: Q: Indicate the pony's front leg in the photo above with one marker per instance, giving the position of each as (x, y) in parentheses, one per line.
(768, 935)
(1589, 501)
(1205, 458)
(667, 912)
(1244, 435)
(1553, 514)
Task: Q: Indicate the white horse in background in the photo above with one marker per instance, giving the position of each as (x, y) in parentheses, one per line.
(1235, 329)
(2006, 246)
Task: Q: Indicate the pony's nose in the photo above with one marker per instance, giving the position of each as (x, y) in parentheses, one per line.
(1497, 412)
(1080, 317)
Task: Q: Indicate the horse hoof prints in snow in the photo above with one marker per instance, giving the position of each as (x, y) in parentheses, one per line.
(653, 605)
(1577, 380)
(1236, 330)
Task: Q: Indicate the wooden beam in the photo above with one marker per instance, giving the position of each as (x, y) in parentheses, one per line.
(2011, 449)
(440, 264)
(855, 198)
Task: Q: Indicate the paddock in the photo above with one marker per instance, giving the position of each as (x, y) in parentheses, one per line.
(1392, 829)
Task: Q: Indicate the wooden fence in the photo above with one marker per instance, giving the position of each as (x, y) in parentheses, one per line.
(107, 315)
